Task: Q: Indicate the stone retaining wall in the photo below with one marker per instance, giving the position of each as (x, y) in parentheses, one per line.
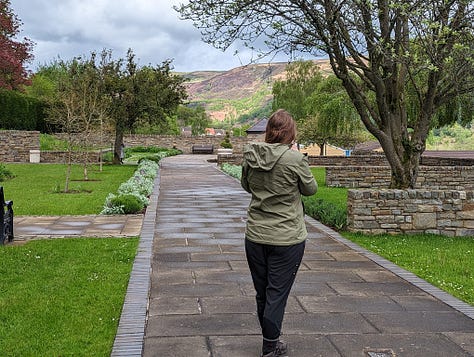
(60, 157)
(15, 145)
(359, 160)
(369, 160)
(449, 213)
(185, 143)
(433, 177)
(376, 160)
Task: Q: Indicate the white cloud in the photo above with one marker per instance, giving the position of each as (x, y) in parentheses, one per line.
(68, 28)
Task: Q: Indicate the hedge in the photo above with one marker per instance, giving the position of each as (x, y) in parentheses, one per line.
(21, 112)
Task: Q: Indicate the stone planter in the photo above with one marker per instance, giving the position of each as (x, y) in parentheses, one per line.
(222, 151)
(35, 156)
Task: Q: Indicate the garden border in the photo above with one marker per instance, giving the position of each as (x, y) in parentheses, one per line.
(131, 329)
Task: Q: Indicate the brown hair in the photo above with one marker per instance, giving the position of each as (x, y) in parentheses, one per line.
(281, 128)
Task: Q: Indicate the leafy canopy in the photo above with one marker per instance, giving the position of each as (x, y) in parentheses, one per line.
(14, 54)
(376, 48)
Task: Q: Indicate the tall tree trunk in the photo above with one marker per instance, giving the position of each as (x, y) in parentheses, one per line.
(404, 160)
(117, 144)
(321, 149)
(69, 166)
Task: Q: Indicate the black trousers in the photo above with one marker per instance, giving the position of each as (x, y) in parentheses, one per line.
(273, 269)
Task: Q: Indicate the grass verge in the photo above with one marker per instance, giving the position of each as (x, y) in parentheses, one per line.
(35, 189)
(445, 262)
(63, 297)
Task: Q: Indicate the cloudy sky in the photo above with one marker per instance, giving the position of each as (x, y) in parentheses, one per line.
(68, 28)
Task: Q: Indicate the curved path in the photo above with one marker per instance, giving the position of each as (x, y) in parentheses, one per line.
(190, 292)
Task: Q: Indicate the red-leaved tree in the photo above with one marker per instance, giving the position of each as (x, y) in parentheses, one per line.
(14, 54)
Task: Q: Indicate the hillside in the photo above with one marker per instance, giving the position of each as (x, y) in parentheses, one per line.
(228, 94)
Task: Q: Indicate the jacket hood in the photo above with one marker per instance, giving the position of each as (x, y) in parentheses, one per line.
(264, 156)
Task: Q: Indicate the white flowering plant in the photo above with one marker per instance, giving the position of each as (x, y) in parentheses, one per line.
(132, 195)
(232, 170)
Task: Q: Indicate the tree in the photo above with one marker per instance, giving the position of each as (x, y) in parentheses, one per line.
(291, 93)
(14, 55)
(320, 106)
(376, 48)
(196, 117)
(148, 94)
(79, 105)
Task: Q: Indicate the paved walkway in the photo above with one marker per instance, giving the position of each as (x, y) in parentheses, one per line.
(190, 292)
(199, 301)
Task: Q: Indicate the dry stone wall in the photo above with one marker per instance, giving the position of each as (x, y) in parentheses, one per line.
(449, 213)
(185, 143)
(61, 157)
(15, 145)
(433, 177)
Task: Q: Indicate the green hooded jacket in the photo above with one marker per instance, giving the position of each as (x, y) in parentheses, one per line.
(276, 176)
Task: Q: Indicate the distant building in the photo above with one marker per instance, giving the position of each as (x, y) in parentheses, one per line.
(367, 147)
(214, 132)
(258, 128)
(210, 131)
(257, 131)
(186, 131)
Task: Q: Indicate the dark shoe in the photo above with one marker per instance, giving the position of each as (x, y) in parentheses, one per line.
(281, 350)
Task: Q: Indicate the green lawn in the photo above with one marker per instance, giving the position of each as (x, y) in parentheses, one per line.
(447, 263)
(36, 188)
(63, 297)
(333, 195)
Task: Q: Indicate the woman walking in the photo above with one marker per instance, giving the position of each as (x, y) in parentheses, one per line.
(275, 235)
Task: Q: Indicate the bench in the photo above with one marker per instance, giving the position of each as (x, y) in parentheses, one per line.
(203, 149)
(6, 219)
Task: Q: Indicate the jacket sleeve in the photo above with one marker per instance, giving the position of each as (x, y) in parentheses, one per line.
(306, 182)
(243, 180)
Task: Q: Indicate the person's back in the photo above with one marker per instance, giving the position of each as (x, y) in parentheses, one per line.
(276, 176)
(275, 235)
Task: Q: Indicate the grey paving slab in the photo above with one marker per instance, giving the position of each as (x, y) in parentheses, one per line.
(404, 344)
(176, 346)
(204, 325)
(345, 302)
(336, 303)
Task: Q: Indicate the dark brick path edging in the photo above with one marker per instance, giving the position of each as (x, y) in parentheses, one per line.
(131, 330)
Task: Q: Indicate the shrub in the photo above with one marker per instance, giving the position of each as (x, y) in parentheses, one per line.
(326, 212)
(5, 174)
(19, 111)
(232, 170)
(153, 150)
(132, 195)
(154, 158)
(128, 202)
(108, 156)
(226, 144)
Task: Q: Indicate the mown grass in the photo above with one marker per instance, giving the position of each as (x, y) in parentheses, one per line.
(445, 262)
(36, 188)
(333, 195)
(63, 297)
